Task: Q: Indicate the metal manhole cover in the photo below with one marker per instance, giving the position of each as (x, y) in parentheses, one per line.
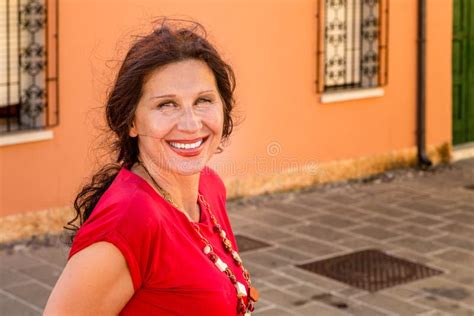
(370, 270)
(246, 243)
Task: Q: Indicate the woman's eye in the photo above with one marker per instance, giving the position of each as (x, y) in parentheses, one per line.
(165, 105)
(204, 100)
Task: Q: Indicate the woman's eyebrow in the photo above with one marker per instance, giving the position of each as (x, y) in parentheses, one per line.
(163, 96)
(174, 95)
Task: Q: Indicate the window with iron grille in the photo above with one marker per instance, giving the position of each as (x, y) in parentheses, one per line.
(28, 65)
(352, 44)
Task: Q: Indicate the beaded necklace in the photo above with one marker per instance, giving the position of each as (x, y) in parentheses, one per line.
(253, 294)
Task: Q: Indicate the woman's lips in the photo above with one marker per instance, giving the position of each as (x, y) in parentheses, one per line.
(187, 152)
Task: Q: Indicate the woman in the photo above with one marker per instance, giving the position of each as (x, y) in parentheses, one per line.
(155, 238)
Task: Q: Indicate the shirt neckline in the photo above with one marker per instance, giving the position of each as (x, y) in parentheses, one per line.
(202, 216)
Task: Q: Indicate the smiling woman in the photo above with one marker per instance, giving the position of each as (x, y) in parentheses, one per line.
(153, 236)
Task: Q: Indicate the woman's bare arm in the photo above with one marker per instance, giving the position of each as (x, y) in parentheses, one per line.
(95, 281)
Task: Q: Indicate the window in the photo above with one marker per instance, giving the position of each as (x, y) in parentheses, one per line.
(352, 44)
(28, 65)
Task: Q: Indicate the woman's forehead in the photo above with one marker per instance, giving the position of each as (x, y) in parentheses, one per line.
(190, 76)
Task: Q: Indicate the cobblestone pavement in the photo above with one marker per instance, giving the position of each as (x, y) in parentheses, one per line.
(425, 217)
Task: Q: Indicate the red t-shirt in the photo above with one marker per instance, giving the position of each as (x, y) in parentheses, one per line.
(171, 275)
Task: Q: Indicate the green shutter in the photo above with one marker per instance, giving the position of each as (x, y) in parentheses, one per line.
(463, 71)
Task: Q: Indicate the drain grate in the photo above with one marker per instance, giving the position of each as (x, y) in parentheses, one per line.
(246, 243)
(370, 270)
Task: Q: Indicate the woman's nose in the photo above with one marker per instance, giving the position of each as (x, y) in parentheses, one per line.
(189, 121)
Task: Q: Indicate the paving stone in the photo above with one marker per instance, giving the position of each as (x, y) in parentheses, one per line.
(457, 257)
(17, 260)
(447, 306)
(319, 232)
(417, 245)
(466, 218)
(238, 222)
(350, 291)
(455, 273)
(362, 310)
(55, 256)
(392, 304)
(292, 209)
(386, 210)
(356, 243)
(424, 220)
(343, 199)
(275, 311)
(320, 310)
(312, 201)
(444, 202)
(466, 207)
(402, 292)
(416, 230)
(264, 259)
(439, 287)
(44, 273)
(454, 241)
(381, 221)
(308, 246)
(305, 291)
(347, 212)
(9, 306)
(333, 220)
(410, 255)
(289, 254)
(264, 233)
(268, 217)
(374, 232)
(31, 292)
(281, 298)
(257, 271)
(280, 281)
(313, 278)
(261, 306)
(10, 277)
(458, 229)
(425, 207)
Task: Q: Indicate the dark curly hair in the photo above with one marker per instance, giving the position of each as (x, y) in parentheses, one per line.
(173, 40)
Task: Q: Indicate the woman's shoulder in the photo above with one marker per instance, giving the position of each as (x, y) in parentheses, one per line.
(127, 201)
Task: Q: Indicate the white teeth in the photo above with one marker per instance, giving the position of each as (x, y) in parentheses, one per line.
(187, 146)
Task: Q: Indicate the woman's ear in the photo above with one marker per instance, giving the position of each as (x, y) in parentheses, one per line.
(133, 131)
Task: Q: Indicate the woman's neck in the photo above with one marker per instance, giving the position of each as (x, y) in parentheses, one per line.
(183, 190)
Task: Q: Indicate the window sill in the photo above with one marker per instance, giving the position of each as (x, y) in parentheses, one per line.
(25, 137)
(338, 96)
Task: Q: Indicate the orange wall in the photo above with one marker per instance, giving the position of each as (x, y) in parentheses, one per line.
(272, 46)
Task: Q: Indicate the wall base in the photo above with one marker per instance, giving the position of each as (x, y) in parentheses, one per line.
(52, 220)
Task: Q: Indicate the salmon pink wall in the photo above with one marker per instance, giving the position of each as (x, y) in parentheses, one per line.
(272, 45)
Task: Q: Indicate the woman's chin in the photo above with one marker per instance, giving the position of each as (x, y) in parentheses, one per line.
(186, 167)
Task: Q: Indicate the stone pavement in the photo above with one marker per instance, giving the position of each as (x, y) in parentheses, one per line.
(425, 217)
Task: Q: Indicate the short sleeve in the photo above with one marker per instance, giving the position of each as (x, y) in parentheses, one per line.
(130, 226)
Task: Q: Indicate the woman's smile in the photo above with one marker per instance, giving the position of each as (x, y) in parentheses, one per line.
(187, 148)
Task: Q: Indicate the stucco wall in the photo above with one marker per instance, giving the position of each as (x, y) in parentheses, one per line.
(272, 46)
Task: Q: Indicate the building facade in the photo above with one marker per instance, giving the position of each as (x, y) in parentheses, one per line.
(326, 90)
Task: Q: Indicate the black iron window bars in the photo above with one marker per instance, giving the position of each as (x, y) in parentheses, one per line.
(28, 65)
(352, 44)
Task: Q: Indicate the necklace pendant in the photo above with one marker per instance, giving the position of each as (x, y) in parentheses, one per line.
(220, 264)
(227, 245)
(254, 294)
(241, 290)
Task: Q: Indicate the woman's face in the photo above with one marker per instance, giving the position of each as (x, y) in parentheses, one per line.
(179, 118)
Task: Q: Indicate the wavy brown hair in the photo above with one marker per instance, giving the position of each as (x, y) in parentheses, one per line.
(171, 41)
